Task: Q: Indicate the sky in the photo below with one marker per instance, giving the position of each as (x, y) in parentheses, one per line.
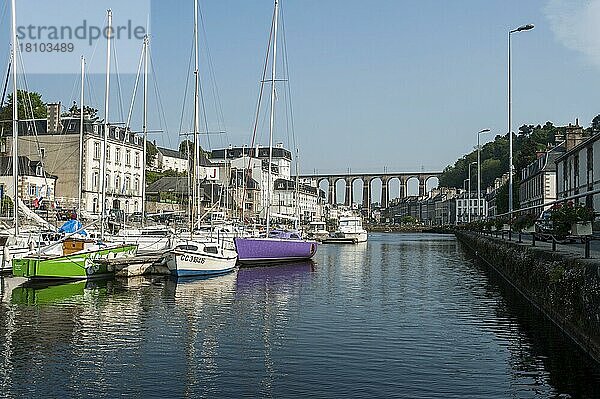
(395, 84)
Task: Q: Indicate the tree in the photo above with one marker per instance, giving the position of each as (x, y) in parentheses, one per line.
(151, 153)
(188, 145)
(89, 112)
(27, 102)
(596, 124)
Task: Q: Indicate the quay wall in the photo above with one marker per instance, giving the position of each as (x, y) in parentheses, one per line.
(566, 289)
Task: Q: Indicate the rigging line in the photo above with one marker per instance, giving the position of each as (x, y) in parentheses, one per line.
(135, 87)
(288, 84)
(203, 104)
(118, 76)
(260, 94)
(6, 82)
(30, 103)
(185, 95)
(214, 86)
(162, 117)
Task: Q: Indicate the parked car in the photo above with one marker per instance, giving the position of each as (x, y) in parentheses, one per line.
(544, 230)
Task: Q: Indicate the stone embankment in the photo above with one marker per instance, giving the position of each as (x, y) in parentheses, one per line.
(564, 287)
(384, 228)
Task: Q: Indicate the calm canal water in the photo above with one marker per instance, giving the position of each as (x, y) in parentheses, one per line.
(402, 316)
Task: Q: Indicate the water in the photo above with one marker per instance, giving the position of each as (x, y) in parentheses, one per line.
(401, 316)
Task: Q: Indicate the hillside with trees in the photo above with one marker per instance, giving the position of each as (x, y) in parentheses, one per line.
(494, 158)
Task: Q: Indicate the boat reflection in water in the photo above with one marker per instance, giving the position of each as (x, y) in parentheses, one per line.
(208, 289)
(31, 293)
(283, 274)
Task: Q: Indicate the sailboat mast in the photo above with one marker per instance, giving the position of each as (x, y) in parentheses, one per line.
(272, 116)
(145, 129)
(297, 224)
(106, 126)
(81, 107)
(15, 117)
(195, 184)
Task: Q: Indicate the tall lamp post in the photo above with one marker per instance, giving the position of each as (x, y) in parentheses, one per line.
(510, 160)
(469, 203)
(462, 219)
(479, 172)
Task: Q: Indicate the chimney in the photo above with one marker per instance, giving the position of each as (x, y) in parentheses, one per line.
(53, 118)
(574, 135)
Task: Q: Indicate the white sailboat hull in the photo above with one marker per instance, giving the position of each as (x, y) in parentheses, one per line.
(184, 260)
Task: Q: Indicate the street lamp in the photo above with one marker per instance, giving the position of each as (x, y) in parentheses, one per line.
(469, 205)
(462, 219)
(479, 171)
(510, 140)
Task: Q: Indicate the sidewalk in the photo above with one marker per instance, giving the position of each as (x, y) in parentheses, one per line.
(575, 250)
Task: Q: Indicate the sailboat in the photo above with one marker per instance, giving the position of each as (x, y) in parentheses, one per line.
(190, 256)
(74, 257)
(277, 246)
(149, 239)
(18, 242)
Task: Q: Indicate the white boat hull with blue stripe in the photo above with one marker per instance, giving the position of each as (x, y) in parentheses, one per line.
(196, 258)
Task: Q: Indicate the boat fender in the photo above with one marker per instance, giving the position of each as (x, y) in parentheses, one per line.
(89, 270)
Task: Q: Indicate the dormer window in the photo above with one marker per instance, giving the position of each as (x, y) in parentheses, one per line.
(39, 171)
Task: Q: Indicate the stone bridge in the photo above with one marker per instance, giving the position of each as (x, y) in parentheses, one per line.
(367, 178)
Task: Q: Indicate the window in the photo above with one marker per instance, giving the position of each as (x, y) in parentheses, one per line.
(96, 150)
(107, 153)
(32, 190)
(127, 183)
(590, 168)
(95, 180)
(136, 185)
(117, 183)
(137, 159)
(95, 205)
(118, 156)
(128, 158)
(42, 153)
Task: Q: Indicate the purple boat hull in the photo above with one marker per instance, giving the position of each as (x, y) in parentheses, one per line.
(264, 250)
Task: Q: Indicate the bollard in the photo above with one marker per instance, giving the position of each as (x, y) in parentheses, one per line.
(553, 244)
(533, 240)
(587, 247)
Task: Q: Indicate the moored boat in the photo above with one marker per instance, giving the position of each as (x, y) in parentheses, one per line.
(76, 260)
(350, 230)
(200, 258)
(280, 246)
(317, 231)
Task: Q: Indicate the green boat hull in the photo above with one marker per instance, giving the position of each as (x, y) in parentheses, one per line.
(82, 265)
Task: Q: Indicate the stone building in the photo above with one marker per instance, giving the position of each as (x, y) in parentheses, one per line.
(35, 187)
(55, 141)
(538, 180)
(578, 168)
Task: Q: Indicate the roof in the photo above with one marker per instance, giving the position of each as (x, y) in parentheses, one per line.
(27, 167)
(70, 125)
(171, 153)
(170, 184)
(585, 143)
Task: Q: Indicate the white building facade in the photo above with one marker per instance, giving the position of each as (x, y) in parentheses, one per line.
(578, 169)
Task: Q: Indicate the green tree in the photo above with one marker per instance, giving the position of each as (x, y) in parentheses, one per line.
(151, 153)
(188, 145)
(596, 124)
(89, 112)
(27, 102)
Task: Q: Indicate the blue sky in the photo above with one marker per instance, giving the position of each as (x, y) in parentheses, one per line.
(397, 84)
